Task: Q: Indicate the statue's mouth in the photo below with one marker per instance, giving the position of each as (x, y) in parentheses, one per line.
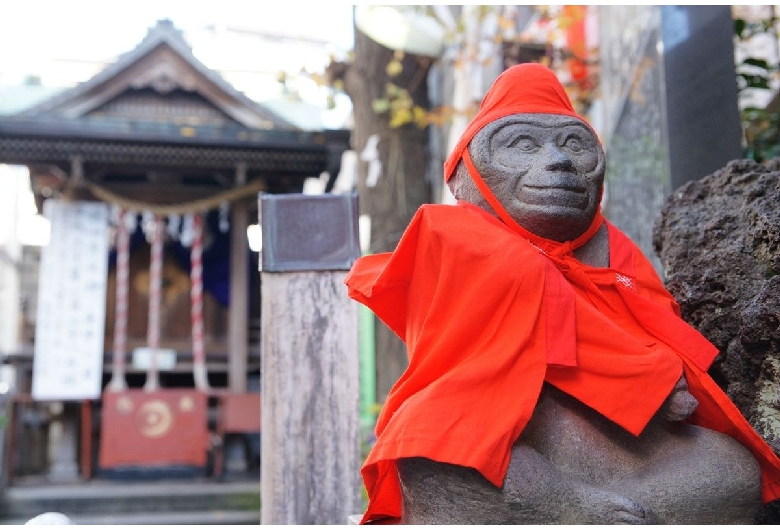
(570, 196)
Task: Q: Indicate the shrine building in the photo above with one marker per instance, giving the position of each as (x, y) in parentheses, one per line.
(140, 340)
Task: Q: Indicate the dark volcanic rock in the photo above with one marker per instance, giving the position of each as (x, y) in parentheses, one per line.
(718, 240)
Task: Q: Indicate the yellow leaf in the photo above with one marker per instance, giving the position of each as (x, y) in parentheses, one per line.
(394, 68)
(380, 105)
(505, 23)
(400, 118)
(420, 116)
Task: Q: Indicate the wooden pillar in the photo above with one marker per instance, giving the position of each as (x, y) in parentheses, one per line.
(239, 289)
(86, 439)
(310, 377)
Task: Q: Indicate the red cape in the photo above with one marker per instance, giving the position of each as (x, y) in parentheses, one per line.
(485, 325)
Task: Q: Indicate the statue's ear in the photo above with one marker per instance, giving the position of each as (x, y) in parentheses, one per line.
(461, 185)
(464, 189)
(479, 146)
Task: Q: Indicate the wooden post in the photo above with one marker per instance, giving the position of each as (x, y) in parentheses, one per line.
(239, 287)
(86, 439)
(310, 377)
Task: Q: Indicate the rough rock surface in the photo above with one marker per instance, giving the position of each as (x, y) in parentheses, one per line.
(718, 239)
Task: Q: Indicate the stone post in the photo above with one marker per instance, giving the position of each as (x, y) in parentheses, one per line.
(62, 444)
(310, 379)
(669, 101)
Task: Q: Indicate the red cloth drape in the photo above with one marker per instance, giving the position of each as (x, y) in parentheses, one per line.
(467, 295)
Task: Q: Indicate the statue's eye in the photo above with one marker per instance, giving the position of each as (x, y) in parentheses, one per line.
(524, 144)
(574, 144)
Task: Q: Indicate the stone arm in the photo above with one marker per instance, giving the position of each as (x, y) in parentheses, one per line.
(534, 492)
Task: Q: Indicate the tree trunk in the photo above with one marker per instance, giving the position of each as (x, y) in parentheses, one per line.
(403, 153)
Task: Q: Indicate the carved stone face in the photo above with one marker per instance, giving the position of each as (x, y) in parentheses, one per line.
(546, 170)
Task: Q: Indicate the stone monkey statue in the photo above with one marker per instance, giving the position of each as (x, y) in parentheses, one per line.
(551, 379)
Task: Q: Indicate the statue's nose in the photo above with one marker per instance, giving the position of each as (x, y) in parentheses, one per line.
(558, 160)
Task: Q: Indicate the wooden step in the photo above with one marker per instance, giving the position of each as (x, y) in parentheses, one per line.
(235, 517)
(109, 502)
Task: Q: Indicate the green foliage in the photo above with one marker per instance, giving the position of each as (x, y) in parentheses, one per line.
(761, 130)
(367, 441)
(745, 30)
(760, 127)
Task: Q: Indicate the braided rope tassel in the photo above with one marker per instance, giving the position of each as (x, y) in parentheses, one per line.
(118, 382)
(155, 288)
(199, 370)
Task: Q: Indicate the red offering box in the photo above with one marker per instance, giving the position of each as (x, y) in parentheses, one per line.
(154, 429)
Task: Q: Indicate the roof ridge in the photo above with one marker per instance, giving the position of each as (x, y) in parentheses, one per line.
(165, 33)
